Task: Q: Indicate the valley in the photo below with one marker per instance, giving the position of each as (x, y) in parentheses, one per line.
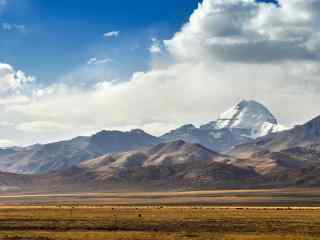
(287, 214)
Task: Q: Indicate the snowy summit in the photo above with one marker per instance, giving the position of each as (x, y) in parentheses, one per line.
(249, 115)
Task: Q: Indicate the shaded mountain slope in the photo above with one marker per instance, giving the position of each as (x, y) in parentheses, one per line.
(61, 155)
(172, 165)
(306, 136)
(173, 153)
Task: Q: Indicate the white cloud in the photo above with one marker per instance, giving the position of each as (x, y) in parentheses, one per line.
(95, 61)
(112, 34)
(168, 97)
(246, 31)
(4, 143)
(5, 124)
(16, 99)
(91, 61)
(42, 127)
(12, 81)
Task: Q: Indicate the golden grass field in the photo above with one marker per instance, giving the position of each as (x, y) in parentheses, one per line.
(80, 216)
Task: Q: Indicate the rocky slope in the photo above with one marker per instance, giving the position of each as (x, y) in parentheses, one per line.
(61, 155)
(165, 154)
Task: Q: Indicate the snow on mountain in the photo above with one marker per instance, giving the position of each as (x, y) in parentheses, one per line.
(249, 115)
(267, 128)
(246, 114)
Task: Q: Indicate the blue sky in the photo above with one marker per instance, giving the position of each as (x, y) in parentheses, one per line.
(60, 36)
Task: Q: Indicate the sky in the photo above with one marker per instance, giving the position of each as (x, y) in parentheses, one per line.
(76, 67)
(59, 37)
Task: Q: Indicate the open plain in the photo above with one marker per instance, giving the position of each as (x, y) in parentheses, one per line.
(233, 215)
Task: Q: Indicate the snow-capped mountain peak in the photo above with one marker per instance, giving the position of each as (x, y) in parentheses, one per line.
(246, 114)
(249, 115)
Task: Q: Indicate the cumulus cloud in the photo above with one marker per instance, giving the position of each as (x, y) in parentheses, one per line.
(12, 81)
(247, 31)
(114, 34)
(228, 50)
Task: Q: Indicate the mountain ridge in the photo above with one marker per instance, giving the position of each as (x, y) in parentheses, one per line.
(60, 155)
(166, 166)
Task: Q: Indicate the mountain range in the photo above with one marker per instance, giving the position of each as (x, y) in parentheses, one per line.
(244, 148)
(166, 166)
(240, 124)
(60, 155)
